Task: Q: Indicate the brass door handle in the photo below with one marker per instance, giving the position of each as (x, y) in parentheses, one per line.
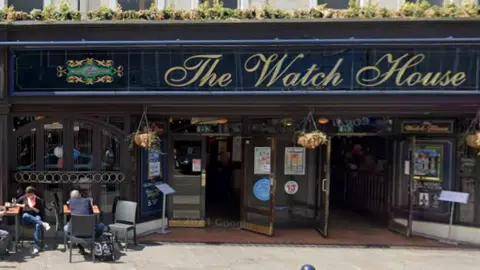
(324, 185)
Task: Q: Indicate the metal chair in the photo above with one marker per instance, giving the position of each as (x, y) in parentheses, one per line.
(24, 227)
(82, 232)
(125, 221)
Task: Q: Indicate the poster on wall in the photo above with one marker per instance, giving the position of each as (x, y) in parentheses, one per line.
(428, 162)
(294, 161)
(196, 165)
(154, 165)
(424, 199)
(262, 160)
(151, 173)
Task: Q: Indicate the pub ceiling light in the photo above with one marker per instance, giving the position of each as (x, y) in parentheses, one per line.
(287, 122)
(55, 125)
(322, 120)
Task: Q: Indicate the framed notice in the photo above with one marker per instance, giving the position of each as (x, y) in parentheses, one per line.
(428, 162)
(262, 160)
(154, 165)
(196, 165)
(294, 161)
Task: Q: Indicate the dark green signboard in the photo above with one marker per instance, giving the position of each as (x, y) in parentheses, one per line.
(246, 70)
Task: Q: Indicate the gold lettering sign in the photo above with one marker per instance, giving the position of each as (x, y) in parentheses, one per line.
(427, 127)
(202, 70)
(398, 69)
(277, 70)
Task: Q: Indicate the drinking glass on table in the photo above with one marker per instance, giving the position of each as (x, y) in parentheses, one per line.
(14, 202)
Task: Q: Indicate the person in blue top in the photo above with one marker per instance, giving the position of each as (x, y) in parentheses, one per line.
(82, 206)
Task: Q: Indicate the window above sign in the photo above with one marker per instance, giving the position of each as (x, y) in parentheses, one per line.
(25, 5)
(135, 4)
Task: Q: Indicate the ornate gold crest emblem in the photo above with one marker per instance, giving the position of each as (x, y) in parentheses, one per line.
(90, 71)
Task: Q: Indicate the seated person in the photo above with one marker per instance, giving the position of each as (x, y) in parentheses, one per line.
(5, 236)
(82, 206)
(32, 213)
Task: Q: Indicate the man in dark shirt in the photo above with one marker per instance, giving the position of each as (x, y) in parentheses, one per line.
(82, 206)
(33, 213)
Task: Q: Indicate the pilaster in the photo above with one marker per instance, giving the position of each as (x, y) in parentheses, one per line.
(4, 142)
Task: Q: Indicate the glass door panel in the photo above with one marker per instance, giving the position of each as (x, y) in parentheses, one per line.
(187, 205)
(259, 186)
(323, 189)
(403, 187)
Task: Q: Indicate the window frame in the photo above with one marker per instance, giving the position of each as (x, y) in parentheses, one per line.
(68, 140)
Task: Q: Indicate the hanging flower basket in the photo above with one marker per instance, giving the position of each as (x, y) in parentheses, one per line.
(146, 135)
(312, 140)
(148, 140)
(310, 137)
(473, 140)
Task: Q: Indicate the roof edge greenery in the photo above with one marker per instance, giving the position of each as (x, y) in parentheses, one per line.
(217, 12)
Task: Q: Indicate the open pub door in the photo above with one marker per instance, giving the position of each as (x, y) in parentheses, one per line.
(403, 187)
(258, 206)
(322, 202)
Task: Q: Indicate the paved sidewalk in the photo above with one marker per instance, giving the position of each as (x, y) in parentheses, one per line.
(237, 257)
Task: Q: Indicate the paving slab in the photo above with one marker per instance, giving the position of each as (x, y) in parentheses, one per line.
(237, 257)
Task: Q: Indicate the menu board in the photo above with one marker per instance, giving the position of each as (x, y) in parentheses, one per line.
(153, 164)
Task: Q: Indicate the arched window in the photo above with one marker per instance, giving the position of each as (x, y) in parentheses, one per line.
(57, 155)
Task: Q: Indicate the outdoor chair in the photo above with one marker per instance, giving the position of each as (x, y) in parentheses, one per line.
(82, 232)
(30, 227)
(125, 220)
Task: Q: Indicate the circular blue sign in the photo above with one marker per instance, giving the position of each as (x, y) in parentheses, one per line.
(261, 189)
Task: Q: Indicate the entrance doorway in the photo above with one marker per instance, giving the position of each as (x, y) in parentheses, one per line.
(359, 183)
(222, 191)
(187, 207)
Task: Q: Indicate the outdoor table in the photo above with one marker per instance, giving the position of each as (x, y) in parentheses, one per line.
(14, 212)
(66, 212)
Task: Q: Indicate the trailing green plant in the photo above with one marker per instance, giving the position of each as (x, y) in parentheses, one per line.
(215, 11)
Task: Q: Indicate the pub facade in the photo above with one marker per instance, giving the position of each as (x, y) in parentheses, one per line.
(226, 104)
